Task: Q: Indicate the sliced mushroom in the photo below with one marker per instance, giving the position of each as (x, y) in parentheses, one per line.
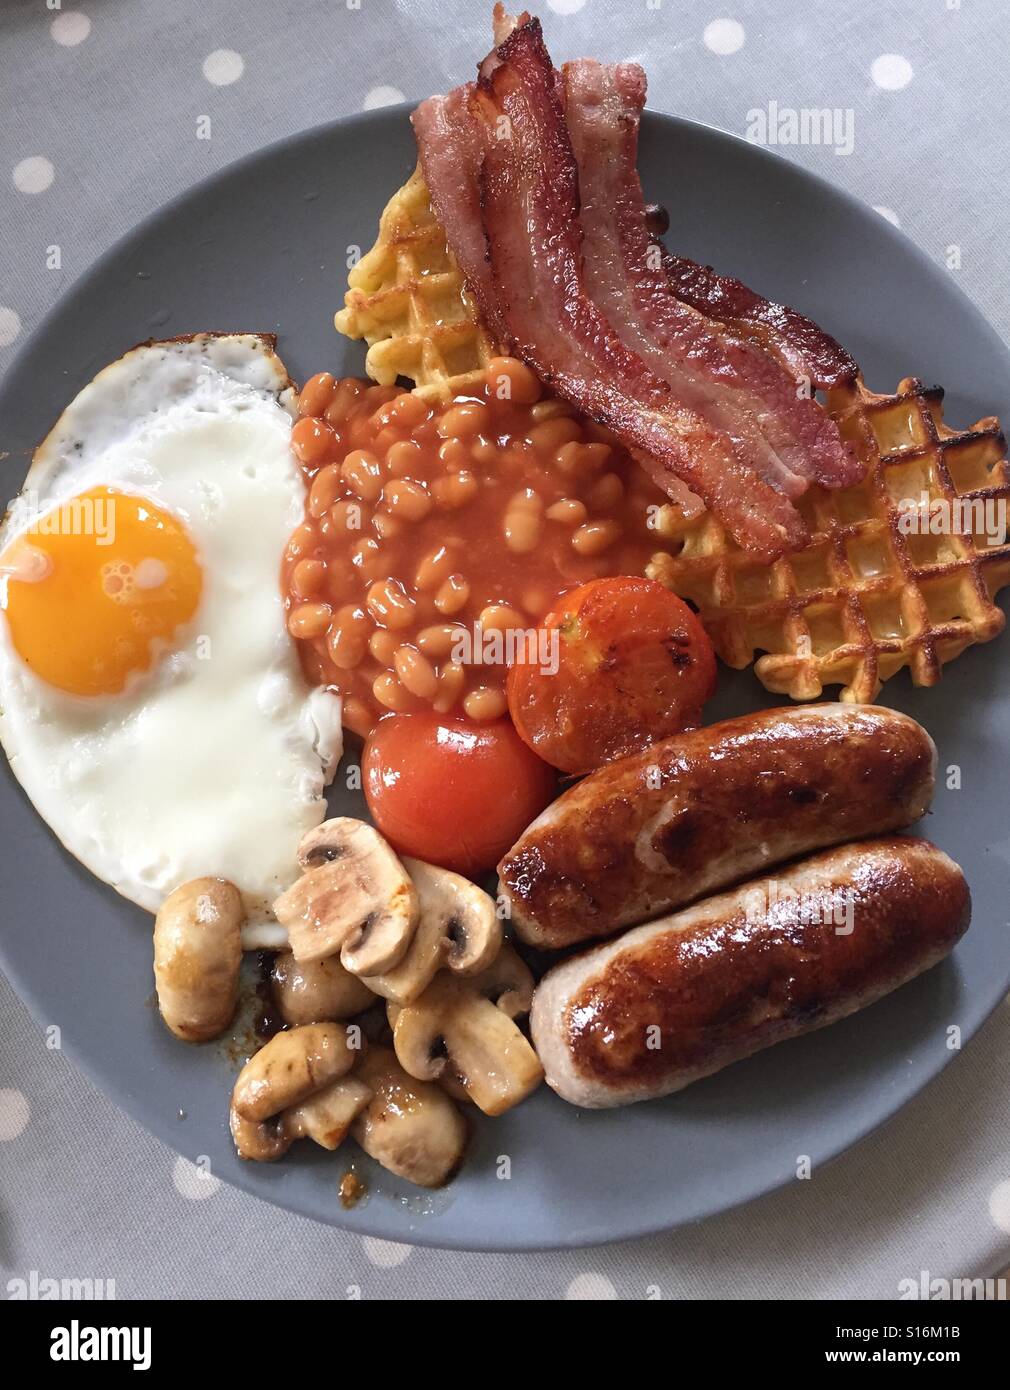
(327, 1116)
(313, 991)
(197, 955)
(448, 1078)
(458, 928)
(290, 1068)
(464, 1025)
(507, 983)
(411, 1127)
(354, 897)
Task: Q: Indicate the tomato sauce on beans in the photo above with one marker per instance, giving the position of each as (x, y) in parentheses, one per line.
(425, 522)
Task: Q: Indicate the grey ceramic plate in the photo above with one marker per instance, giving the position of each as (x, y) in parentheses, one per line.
(262, 246)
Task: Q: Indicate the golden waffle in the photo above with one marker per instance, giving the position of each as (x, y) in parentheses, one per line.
(868, 595)
(861, 601)
(408, 301)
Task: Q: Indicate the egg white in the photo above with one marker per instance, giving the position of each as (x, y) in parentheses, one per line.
(214, 762)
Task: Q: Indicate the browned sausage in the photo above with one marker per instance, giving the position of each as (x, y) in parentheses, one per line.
(697, 812)
(680, 998)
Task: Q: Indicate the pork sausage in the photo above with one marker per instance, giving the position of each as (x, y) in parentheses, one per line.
(678, 999)
(704, 809)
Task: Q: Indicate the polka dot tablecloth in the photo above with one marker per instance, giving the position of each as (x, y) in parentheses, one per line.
(100, 104)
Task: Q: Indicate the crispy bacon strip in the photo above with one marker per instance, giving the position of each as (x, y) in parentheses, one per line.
(450, 146)
(530, 202)
(803, 348)
(736, 385)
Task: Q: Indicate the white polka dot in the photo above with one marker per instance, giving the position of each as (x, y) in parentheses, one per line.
(223, 67)
(194, 1180)
(385, 1254)
(891, 71)
(34, 174)
(14, 1112)
(593, 1287)
(10, 325)
(71, 28)
(724, 36)
(565, 6)
(999, 1206)
(890, 215)
(382, 96)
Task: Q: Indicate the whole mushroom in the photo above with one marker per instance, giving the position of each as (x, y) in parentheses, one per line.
(197, 957)
(314, 991)
(411, 1127)
(464, 1025)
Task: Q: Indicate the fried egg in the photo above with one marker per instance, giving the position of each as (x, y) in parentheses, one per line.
(153, 705)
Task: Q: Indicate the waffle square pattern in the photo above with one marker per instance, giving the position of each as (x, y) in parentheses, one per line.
(408, 301)
(887, 581)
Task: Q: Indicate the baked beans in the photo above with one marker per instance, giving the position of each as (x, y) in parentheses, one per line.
(484, 703)
(434, 568)
(452, 595)
(309, 620)
(415, 671)
(439, 641)
(595, 537)
(407, 500)
(428, 530)
(383, 645)
(522, 523)
(569, 510)
(363, 474)
(317, 393)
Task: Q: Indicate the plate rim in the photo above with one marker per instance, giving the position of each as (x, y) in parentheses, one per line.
(879, 1114)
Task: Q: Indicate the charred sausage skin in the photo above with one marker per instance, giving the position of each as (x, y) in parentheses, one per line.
(704, 809)
(678, 999)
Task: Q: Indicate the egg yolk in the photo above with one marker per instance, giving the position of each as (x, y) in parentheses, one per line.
(96, 588)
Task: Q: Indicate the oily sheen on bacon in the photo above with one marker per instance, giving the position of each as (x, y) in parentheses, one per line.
(532, 293)
(802, 347)
(783, 432)
(451, 149)
(529, 199)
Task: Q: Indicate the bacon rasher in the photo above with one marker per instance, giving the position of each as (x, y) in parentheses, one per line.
(804, 349)
(529, 204)
(734, 384)
(704, 409)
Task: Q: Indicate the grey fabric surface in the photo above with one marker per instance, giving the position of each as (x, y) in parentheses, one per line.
(100, 110)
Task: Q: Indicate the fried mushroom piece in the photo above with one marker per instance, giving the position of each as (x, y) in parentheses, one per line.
(448, 1079)
(197, 955)
(458, 928)
(464, 1024)
(315, 991)
(408, 1126)
(354, 897)
(259, 1141)
(292, 1066)
(325, 1117)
